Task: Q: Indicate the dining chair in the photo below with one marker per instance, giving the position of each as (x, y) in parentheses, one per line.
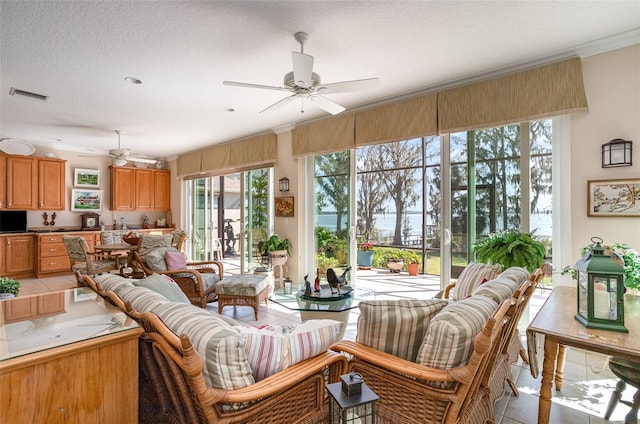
(85, 262)
(629, 373)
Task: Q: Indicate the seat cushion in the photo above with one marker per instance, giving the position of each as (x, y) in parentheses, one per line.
(451, 333)
(163, 285)
(112, 281)
(273, 349)
(498, 289)
(242, 285)
(218, 343)
(471, 277)
(155, 258)
(397, 327)
(141, 298)
(515, 273)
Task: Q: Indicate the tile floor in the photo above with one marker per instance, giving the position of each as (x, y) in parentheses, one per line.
(588, 381)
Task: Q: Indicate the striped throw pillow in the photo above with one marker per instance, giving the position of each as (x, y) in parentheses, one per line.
(218, 343)
(396, 326)
(516, 273)
(273, 349)
(498, 289)
(471, 277)
(141, 298)
(451, 333)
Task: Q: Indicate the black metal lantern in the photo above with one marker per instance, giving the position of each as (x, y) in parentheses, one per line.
(600, 290)
(617, 152)
(351, 401)
(283, 184)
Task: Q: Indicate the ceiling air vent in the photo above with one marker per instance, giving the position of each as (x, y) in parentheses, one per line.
(35, 96)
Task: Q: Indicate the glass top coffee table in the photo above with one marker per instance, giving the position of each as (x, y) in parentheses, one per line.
(322, 305)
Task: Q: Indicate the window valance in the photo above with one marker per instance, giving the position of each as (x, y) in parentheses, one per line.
(329, 135)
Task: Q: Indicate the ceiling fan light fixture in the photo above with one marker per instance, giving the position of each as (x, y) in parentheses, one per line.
(119, 162)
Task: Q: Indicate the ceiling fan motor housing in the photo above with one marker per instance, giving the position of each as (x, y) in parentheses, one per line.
(290, 82)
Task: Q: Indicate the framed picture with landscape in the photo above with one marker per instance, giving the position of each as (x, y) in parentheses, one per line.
(86, 178)
(86, 200)
(614, 197)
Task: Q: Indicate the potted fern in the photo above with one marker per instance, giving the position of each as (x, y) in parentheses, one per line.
(511, 248)
(9, 287)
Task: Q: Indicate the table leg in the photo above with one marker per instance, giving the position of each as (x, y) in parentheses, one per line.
(560, 366)
(548, 369)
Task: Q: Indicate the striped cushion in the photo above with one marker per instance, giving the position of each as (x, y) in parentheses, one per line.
(396, 326)
(516, 273)
(163, 285)
(225, 364)
(450, 336)
(471, 277)
(112, 281)
(141, 299)
(274, 349)
(498, 289)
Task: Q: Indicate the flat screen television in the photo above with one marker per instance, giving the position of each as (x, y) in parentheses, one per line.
(13, 221)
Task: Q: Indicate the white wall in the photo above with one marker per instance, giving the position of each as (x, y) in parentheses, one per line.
(612, 84)
(66, 218)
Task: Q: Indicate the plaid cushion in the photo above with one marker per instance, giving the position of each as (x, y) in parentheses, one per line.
(225, 364)
(471, 277)
(450, 336)
(498, 289)
(396, 326)
(276, 348)
(516, 273)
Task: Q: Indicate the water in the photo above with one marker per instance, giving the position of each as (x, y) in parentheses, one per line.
(385, 224)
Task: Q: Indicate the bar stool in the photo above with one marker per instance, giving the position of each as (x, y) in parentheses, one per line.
(629, 373)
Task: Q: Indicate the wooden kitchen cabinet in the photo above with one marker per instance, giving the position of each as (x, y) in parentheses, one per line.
(140, 189)
(53, 258)
(21, 183)
(19, 255)
(32, 307)
(2, 257)
(123, 188)
(51, 184)
(3, 184)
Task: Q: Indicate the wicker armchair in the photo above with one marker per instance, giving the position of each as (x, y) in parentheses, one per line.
(197, 280)
(179, 393)
(83, 261)
(414, 393)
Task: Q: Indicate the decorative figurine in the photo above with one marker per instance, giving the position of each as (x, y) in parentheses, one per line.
(316, 285)
(335, 281)
(307, 286)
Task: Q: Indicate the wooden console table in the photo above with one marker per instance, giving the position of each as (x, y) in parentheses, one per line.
(555, 321)
(80, 365)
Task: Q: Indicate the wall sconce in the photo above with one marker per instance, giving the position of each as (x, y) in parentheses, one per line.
(283, 183)
(617, 152)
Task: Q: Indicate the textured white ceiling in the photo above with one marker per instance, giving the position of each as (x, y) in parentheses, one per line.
(78, 53)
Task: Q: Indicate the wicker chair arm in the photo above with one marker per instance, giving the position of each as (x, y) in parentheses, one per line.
(202, 264)
(391, 362)
(447, 290)
(292, 375)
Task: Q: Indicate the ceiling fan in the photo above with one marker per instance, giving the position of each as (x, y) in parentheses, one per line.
(121, 156)
(305, 84)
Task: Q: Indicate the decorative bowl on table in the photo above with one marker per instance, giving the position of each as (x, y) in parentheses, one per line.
(131, 240)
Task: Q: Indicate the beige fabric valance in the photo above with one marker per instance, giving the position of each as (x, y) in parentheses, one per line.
(550, 90)
(329, 135)
(243, 155)
(398, 121)
(189, 164)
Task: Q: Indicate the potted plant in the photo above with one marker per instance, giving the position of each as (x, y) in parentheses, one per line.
(279, 249)
(511, 248)
(365, 255)
(9, 287)
(413, 264)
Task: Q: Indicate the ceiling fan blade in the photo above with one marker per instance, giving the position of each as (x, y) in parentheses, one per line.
(247, 85)
(279, 104)
(142, 160)
(302, 69)
(326, 104)
(349, 86)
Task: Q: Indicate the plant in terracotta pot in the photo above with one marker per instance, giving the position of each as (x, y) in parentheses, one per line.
(9, 287)
(413, 263)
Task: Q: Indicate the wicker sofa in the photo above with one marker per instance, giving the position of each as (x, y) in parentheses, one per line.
(438, 361)
(207, 368)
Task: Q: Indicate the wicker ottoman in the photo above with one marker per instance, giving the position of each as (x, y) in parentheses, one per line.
(243, 290)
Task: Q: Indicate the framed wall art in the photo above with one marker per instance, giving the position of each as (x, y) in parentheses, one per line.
(86, 178)
(284, 206)
(617, 198)
(86, 200)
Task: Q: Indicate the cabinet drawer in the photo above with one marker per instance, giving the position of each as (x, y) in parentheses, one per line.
(48, 250)
(59, 263)
(57, 238)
